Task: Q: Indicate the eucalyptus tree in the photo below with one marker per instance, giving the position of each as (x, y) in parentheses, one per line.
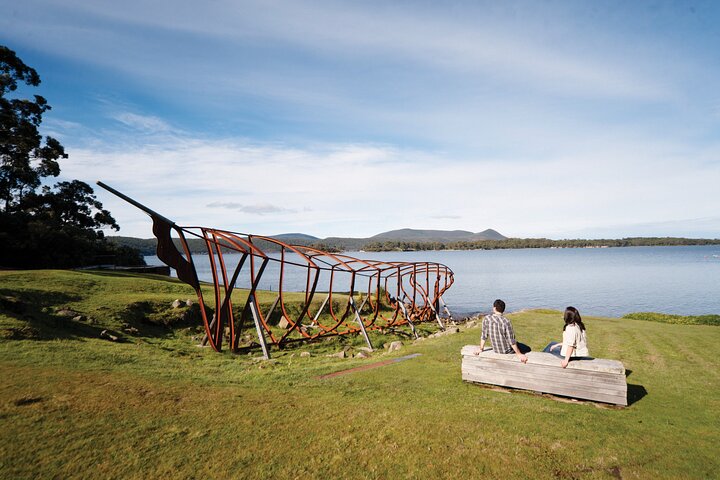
(40, 225)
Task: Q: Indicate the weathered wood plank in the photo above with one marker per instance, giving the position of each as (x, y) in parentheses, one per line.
(545, 382)
(543, 385)
(544, 371)
(599, 397)
(599, 379)
(617, 387)
(541, 358)
(530, 384)
(568, 372)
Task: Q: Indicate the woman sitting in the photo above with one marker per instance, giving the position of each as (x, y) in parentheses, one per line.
(574, 344)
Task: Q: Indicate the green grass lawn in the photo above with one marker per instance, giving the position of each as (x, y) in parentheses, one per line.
(74, 405)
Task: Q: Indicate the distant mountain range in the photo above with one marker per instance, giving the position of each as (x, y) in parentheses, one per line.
(296, 236)
(407, 239)
(410, 235)
(147, 246)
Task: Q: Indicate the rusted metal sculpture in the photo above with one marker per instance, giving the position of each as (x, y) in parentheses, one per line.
(339, 280)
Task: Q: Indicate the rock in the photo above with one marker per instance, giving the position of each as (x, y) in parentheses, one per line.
(340, 354)
(451, 330)
(80, 318)
(12, 304)
(189, 303)
(66, 312)
(471, 324)
(362, 355)
(177, 303)
(283, 323)
(366, 349)
(419, 339)
(109, 336)
(130, 330)
(305, 354)
(395, 346)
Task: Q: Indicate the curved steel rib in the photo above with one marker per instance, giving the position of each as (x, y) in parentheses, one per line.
(418, 286)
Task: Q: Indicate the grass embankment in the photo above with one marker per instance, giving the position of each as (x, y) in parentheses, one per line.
(73, 405)
(675, 319)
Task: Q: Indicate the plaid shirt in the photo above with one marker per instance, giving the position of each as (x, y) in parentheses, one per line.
(500, 330)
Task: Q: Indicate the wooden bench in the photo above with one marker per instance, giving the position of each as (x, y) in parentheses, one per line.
(599, 379)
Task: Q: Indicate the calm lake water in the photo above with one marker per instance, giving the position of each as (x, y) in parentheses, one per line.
(597, 281)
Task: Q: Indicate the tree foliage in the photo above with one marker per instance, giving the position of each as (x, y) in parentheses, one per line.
(43, 226)
(536, 243)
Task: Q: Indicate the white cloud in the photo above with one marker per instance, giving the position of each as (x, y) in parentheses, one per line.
(361, 190)
(142, 123)
(362, 117)
(258, 209)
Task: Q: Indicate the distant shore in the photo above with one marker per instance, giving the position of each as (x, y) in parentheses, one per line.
(147, 246)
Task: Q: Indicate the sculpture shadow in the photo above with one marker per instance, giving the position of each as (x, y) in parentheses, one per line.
(120, 273)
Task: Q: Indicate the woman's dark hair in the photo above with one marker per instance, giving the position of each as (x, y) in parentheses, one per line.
(573, 316)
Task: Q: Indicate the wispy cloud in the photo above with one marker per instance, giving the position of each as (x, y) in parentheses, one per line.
(481, 43)
(142, 123)
(330, 189)
(347, 118)
(257, 209)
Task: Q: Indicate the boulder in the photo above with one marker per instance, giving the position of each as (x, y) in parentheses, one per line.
(283, 323)
(131, 330)
(305, 354)
(362, 355)
(177, 303)
(471, 324)
(12, 304)
(395, 346)
(189, 303)
(109, 336)
(340, 354)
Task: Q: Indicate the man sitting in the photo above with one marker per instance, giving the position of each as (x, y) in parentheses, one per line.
(501, 333)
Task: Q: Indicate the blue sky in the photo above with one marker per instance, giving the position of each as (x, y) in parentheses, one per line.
(553, 119)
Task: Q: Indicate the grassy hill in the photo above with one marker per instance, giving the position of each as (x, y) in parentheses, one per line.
(153, 405)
